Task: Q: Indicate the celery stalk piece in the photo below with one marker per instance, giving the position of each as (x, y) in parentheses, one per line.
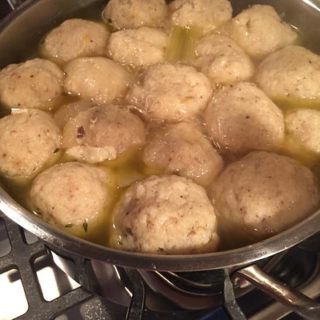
(176, 43)
(191, 40)
(289, 103)
(181, 45)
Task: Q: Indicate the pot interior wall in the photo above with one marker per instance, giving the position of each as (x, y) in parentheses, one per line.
(21, 37)
(303, 15)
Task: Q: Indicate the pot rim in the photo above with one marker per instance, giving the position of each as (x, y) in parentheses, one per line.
(72, 245)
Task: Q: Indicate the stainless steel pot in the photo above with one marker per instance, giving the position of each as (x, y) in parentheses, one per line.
(23, 29)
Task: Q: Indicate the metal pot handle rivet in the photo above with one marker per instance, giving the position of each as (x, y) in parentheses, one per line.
(14, 4)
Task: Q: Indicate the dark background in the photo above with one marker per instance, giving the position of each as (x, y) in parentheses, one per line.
(4, 8)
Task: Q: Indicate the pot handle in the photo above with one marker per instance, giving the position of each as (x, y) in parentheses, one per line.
(14, 4)
(295, 300)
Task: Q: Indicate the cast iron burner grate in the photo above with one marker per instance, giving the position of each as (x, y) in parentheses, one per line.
(22, 257)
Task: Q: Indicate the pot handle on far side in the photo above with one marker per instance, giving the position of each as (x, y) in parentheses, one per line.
(295, 300)
(14, 4)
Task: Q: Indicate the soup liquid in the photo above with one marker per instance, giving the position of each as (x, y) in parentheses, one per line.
(130, 168)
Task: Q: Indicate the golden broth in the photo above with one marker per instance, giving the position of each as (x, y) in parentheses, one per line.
(130, 167)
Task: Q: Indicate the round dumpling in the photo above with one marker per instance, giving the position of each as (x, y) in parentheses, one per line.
(204, 14)
(144, 46)
(241, 118)
(293, 72)
(166, 215)
(103, 133)
(304, 127)
(260, 31)
(35, 83)
(28, 141)
(262, 194)
(99, 79)
(123, 14)
(222, 60)
(69, 110)
(171, 92)
(183, 149)
(75, 38)
(72, 195)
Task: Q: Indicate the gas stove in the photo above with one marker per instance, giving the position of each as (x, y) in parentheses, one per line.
(36, 283)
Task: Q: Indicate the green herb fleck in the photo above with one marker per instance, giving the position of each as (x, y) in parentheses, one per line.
(108, 22)
(85, 226)
(129, 232)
